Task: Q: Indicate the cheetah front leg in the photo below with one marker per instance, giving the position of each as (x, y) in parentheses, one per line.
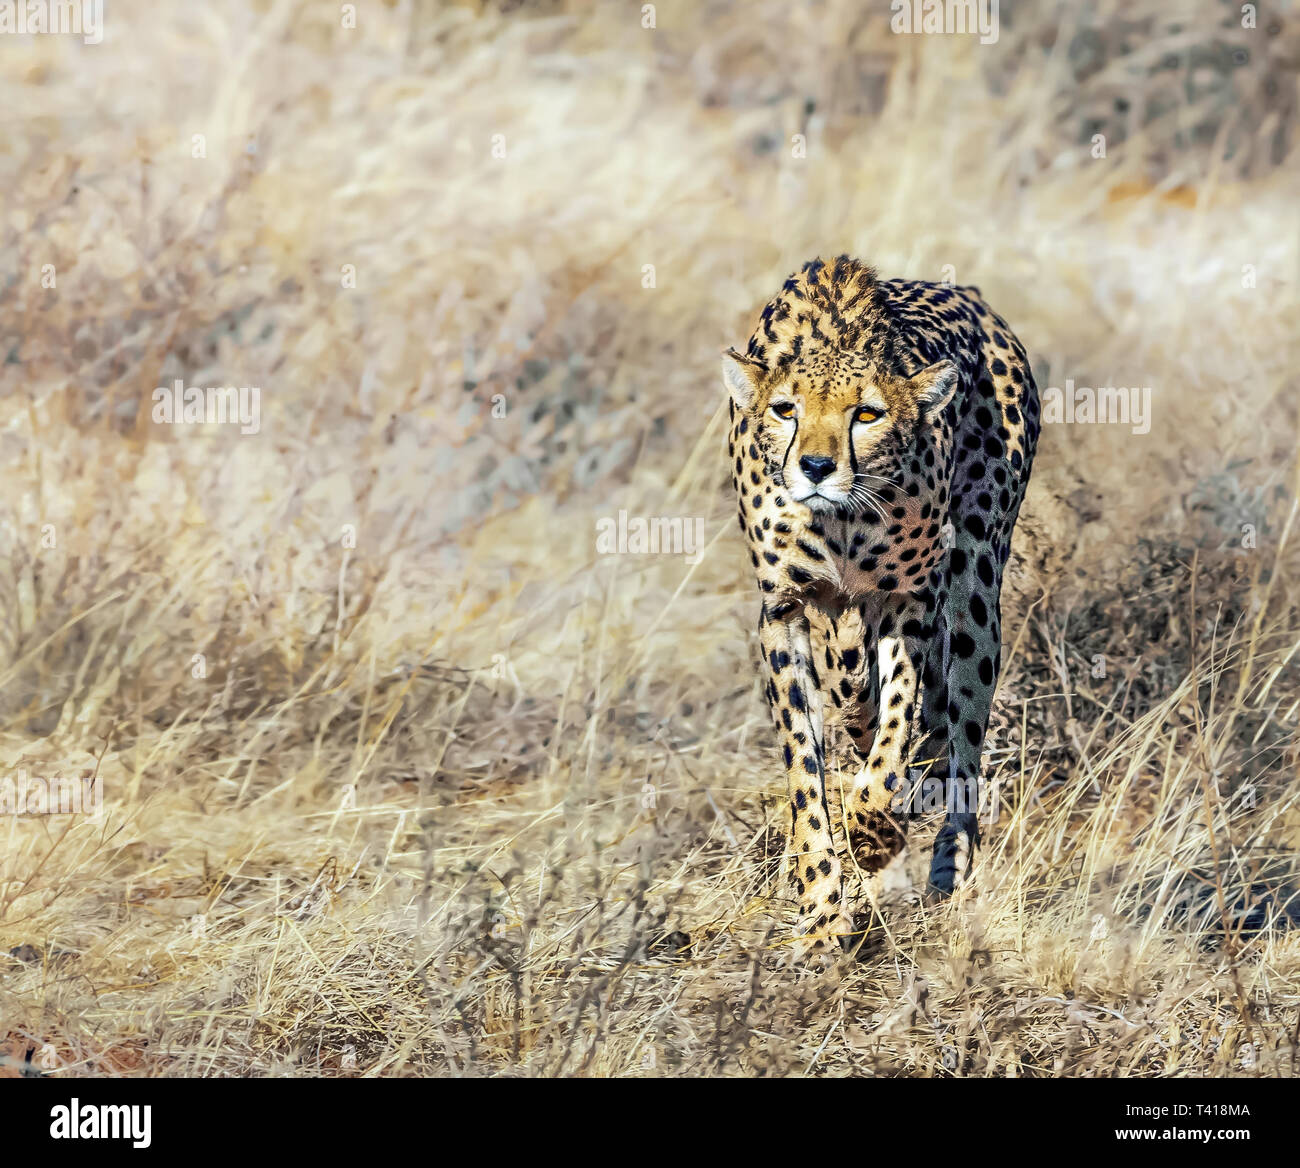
(794, 693)
(902, 628)
(974, 642)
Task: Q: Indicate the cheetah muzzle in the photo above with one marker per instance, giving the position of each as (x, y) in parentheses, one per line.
(882, 434)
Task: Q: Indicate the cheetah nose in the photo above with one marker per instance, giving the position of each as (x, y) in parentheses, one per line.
(816, 466)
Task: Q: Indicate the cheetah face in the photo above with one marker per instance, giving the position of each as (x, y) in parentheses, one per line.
(832, 429)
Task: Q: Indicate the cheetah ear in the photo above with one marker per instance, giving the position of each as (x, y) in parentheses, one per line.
(934, 387)
(742, 376)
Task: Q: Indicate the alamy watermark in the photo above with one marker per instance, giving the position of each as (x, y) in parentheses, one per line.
(83, 18)
(921, 794)
(945, 17)
(25, 794)
(102, 1121)
(182, 405)
(1115, 405)
(639, 536)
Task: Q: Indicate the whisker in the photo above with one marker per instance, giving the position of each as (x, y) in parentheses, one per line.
(863, 497)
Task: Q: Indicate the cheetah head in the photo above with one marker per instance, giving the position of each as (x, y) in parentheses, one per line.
(832, 428)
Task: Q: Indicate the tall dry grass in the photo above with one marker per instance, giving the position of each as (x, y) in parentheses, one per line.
(400, 775)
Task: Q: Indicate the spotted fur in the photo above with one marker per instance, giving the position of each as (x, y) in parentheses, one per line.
(882, 434)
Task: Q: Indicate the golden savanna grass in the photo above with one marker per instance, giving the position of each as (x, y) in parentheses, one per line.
(401, 776)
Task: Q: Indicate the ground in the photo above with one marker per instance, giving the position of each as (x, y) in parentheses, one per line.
(404, 771)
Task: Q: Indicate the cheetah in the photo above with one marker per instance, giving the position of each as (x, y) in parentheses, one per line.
(881, 438)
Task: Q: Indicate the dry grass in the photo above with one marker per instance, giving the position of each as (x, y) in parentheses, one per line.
(441, 802)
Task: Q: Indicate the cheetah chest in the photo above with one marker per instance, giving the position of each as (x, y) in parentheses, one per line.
(866, 555)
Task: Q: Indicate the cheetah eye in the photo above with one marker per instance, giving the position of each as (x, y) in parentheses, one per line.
(783, 409)
(868, 414)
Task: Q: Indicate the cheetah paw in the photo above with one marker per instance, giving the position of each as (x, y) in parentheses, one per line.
(950, 869)
(875, 838)
(820, 945)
